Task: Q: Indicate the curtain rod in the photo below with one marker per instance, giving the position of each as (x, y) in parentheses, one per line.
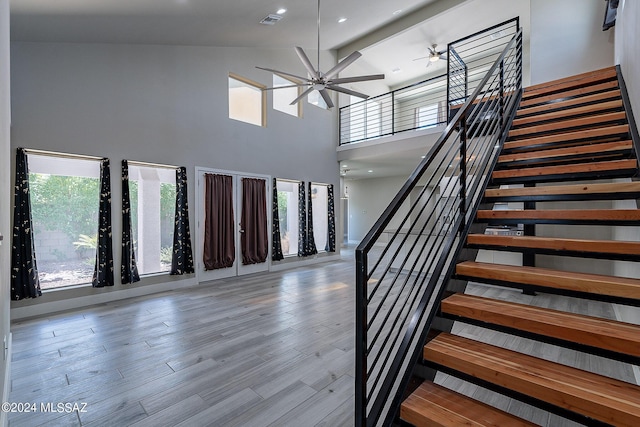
(153, 165)
(62, 155)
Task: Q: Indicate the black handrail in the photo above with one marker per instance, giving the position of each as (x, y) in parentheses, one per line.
(466, 146)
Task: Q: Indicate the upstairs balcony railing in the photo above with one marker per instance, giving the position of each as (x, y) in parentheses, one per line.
(418, 106)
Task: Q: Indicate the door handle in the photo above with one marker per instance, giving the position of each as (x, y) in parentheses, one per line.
(242, 231)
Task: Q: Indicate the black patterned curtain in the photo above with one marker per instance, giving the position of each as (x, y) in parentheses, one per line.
(182, 259)
(302, 221)
(311, 242)
(103, 270)
(128, 268)
(331, 217)
(276, 245)
(25, 282)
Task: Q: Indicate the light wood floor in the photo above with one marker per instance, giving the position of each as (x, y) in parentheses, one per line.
(273, 349)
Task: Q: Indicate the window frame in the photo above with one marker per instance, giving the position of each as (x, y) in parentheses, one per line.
(294, 197)
(325, 216)
(263, 99)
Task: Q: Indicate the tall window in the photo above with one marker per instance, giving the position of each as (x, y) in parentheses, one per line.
(65, 197)
(152, 191)
(282, 97)
(427, 116)
(288, 215)
(320, 207)
(365, 119)
(246, 100)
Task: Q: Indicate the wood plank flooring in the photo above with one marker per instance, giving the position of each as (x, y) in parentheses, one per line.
(273, 349)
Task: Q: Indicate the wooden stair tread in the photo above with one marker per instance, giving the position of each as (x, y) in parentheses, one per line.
(556, 244)
(624, 188)
(577, 168)
(532, 143)
(591, 331)
(602, 96)
(596, 284)
(583, 91)
(434, 405)
(581, 79)
(591, 109)
(595, 396)
(592, 120)
(578, 214)
(568, 151)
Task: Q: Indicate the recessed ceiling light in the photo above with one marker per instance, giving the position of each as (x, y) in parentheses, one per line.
(396, 70)
(397, 12)
(423, 157)
(370, 171)
(341, 20)
(345, 166)
(281, 11)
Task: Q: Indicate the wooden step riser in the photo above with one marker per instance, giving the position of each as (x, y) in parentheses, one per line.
(574, 102)
(535, 176)
(569, 114)
(570, 125)
(600, 249)
(583, 79)
(606, 191)
(578, 151)
(621, 340)
(571, 94)
(570, 159)
(591, 396)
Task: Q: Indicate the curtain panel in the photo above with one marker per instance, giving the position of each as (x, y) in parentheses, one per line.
(310, 244)
(219, 242)
(331, 218)
(182, 257)
(276, 244)
(25, 282)
(254, 235)
(103, 269)
(302, 221)
(128, 268)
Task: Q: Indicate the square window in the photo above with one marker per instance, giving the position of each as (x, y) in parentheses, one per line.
(246, 101)
(282, 97)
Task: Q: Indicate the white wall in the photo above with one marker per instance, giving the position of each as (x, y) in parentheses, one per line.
(368, 198)
(627, 33)
(161, 104)
(5, 189)
(567, 39)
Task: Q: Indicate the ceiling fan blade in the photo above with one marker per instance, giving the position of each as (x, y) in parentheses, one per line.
(302, 95)
(443, 56)
(347, 91)
(282, 73)
(326, 97)
(342, 65)
(286, 86)
(421, 58)
(307, 64)
(356, 79)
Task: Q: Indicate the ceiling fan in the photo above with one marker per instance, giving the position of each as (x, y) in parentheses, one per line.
(317, 80)
(434, 55)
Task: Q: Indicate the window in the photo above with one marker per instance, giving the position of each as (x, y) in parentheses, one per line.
(288, 215)
(152, 191)
(365, 119)
(282, 97)
(319, 202)
(427, 116)
(65, 197)
(314, 98)
(246, 101)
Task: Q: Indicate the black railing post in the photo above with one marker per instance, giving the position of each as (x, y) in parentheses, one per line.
(361, 340)
(502, 96)
(463, 171)
(393, 112)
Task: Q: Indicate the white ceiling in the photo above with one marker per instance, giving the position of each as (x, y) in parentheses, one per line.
(235, 23)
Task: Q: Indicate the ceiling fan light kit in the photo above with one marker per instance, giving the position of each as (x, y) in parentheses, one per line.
(322, 82)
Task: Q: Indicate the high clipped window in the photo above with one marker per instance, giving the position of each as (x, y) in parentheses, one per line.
(288, 215)
(152, 191)
(319, 201)
(427, 116)
(246, 101)
(282, 97)
(64, 196)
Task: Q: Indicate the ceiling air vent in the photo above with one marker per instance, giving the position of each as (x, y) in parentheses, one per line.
(270, 19)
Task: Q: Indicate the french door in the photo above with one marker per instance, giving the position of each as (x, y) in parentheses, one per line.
(234, 223)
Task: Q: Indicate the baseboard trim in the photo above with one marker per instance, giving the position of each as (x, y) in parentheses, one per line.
(7, 382)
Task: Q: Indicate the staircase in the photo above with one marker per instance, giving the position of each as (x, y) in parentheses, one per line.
(569, 140)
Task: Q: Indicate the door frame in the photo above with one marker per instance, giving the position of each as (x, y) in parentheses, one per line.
(238, 269)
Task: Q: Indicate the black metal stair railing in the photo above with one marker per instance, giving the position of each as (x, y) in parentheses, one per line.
(403, 263)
